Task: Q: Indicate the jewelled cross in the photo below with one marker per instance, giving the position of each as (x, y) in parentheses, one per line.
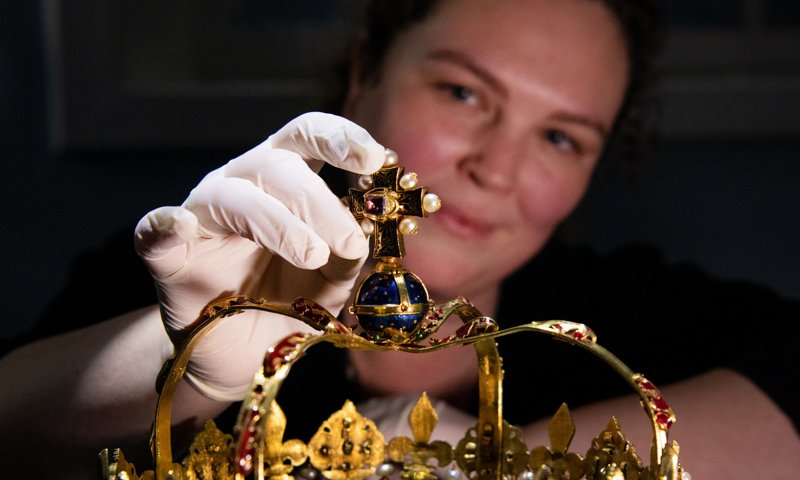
(384, 207)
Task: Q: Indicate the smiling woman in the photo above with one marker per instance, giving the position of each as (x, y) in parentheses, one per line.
(504, 109)
(472, 100)
(483, 104)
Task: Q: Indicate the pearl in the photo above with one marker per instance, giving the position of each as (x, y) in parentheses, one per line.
(385, 469)
(391, 158)
(408, 226)
(431, 203)
(365, 182)
(308, 473)
(408, 181)
(526, 475)
(453, 473)
(367, 226)
(686, 475)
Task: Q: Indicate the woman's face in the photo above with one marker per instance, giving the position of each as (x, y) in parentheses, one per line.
(502, 108)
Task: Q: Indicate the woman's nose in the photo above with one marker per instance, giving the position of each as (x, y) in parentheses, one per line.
(496, 161)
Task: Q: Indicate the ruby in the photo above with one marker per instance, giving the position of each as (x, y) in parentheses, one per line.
(272, 363)
(660, 403)
(375, 204)
(647, 385)
(664, 419)
(465, 330)
(340, 327)
(245, 450)
(299, 306)
(577, 335)
(558, 327)
(278, 354)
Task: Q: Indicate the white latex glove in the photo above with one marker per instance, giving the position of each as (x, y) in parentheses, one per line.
(264, 225)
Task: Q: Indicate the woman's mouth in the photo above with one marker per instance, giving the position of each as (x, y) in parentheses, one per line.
(462, 225)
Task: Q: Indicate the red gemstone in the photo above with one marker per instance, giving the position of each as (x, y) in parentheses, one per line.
(660, 403)
(577, 335)
(299, 306)
(647, 385)
(341, 328)
(278, 354)
(246, 447)
(375, 204)
(664, 420)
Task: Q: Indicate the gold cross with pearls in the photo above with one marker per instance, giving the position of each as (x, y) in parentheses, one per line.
(387, 204)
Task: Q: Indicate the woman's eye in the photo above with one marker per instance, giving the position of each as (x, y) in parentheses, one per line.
(561, 140)
(460, 92)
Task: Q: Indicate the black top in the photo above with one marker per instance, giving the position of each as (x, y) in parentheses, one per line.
(668, 322)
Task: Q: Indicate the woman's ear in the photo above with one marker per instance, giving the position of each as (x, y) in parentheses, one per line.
(355, 75)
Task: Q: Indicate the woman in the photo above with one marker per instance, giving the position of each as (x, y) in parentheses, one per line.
(503, 108)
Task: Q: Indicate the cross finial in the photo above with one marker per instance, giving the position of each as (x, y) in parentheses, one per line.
(387, 204)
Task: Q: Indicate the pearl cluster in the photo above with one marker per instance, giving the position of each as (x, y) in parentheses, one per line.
(407, 226)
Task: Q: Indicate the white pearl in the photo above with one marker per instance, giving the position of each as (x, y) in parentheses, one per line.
(308, 473)
(385, 469)
(453, 473)
(526, 475)
(408, 226)
(686, 475)
(431, 203)
(367, 226)
(391, 158)
(365, 182)
(408, 181)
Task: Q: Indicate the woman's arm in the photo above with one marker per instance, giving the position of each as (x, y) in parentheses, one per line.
(68, 397)
(726, 428)
(263, 225)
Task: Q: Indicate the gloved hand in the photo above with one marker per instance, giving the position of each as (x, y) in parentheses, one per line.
(264, 225)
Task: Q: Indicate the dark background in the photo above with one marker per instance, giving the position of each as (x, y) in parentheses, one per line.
(110, 110)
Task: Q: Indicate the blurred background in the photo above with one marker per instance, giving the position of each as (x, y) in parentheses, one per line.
(110, 109)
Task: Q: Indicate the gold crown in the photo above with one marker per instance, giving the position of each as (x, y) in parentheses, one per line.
(394, 313)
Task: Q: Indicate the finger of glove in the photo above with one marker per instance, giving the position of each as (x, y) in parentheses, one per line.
(285, 176)
(322, 137)
(235, 206)
(342, 271)
(161, 238)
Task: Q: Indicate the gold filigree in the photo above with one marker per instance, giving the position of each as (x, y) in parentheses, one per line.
(347, 446)
(114, 466)
(478, 457)
(611, 451)
(210, 455)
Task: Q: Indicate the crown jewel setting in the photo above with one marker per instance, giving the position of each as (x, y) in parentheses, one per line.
(394, 312)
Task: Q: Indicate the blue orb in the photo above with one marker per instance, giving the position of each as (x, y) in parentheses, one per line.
(378, 305)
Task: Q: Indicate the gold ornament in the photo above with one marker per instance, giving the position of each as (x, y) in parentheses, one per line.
(348, 446)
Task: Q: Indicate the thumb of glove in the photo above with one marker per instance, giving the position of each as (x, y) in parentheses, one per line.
(161, 239)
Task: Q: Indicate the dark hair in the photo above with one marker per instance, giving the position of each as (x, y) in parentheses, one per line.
(636, 127)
